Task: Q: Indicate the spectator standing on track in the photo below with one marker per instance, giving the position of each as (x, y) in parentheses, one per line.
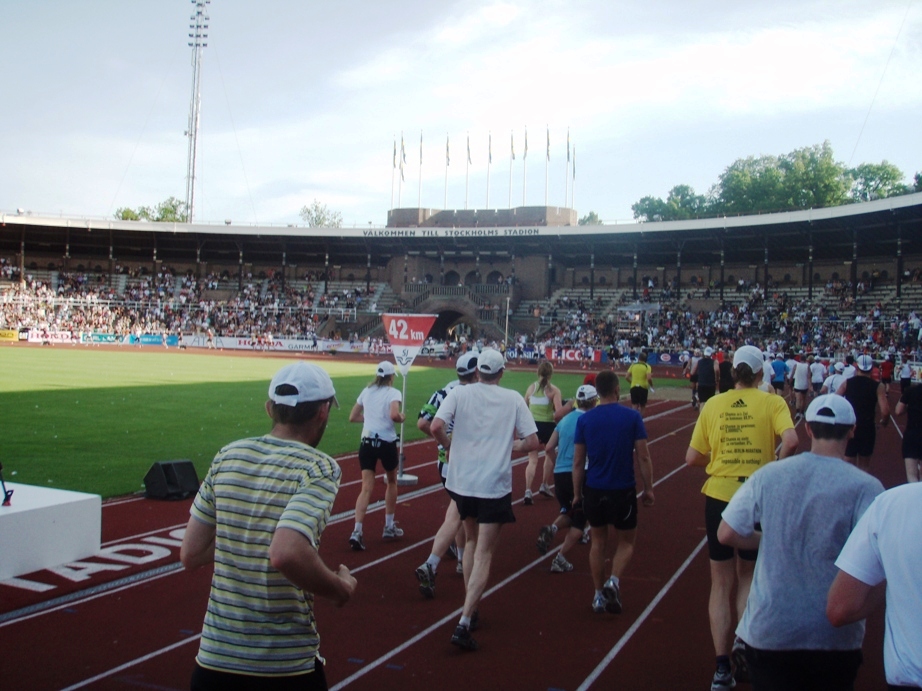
(881, 560)
(560, 447)
(911, 404)
(734, 436)
(865, 395)
(488, 423)
(543, 400)
(451, 528)
(707, 372)
(258, 516)
(378, 409)
(640, 374)
(805, 509)
(605, 487)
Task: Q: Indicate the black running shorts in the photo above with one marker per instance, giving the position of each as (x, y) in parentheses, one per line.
(718, 551)
(639, 395)
(617, 507)
(497, 510)
(373, 450)
(545, 430)
(862, 444)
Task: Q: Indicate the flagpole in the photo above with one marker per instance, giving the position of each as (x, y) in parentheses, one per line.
(419, 197)
(547, 163)
(393, 171)
(489, 165)
(403, 159)
(525, 168)
(467, 170)
(566, 174)
(511, 161)
(573, 186)
(447, 161)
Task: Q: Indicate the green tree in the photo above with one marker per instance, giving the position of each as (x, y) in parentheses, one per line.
(813, 178)
(649, 209)
(918, 183)
(317, 215)
(682, 203)
(749, 186)
(876, 181)
(590, 219)
(170, 210)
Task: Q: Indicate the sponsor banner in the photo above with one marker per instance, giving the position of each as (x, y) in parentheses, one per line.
(299, 345)
(102, 338)
(9, 335)
(677, 359)
(154, 339)
(36, 336)
(570, 355)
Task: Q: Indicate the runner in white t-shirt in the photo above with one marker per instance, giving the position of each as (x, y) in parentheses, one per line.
(378, 409)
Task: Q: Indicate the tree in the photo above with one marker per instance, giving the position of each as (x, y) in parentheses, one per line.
(749, 186)
(876, 181)
(590, 219)
(680, 204)
(918, 180)
(317, 215)
(170, 210)
(649, 209)
(813, 178)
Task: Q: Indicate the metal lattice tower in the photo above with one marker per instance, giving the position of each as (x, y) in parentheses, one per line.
(197, 37)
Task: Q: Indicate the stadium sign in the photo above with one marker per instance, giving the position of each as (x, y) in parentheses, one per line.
(406, 334)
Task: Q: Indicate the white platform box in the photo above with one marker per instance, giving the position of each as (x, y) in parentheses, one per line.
(47, 527)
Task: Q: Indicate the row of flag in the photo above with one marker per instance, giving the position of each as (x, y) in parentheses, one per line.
(401, 161)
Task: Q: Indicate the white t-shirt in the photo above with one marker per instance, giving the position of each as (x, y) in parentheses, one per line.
(817, 372)
(849, 371)
(376, 409)
(486, 418)
(833, 382)
(887, 545)
(802, 376)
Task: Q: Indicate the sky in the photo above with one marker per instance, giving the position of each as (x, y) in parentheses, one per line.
(305, 100)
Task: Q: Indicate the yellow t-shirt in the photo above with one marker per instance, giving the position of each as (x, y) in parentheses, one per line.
(738, 429)
(637, 373)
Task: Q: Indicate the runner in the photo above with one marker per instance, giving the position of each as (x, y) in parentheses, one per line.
(866, 396)
(605, 441)
(543, 399)
(560, 447)
(640, 375)
(378, 409)
(733, 437)
(451, 528)
(485, 419)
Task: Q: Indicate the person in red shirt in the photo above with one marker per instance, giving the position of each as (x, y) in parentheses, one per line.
(886, 373)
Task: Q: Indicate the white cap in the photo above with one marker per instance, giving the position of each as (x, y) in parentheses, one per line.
(385, 369)
(490, 361)
(311, 383)
(831, 409)
(839, 367)
(708, 352)
(586, 393)
(865, 363)
(749, 355)
(467, 363)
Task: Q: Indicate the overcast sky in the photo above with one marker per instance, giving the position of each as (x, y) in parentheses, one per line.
(304, 100)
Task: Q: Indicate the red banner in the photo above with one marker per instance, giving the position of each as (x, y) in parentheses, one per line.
(408, 329)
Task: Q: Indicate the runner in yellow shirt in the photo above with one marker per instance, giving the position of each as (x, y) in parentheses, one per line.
(640, 375)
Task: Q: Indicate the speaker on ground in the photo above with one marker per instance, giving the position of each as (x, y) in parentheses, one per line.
(171, 480)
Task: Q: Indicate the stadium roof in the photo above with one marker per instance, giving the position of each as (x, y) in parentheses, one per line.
(875, 226)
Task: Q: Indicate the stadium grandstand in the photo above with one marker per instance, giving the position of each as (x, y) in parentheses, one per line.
(530, 279)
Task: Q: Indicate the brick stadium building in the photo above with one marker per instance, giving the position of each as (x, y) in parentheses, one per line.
(470, 267)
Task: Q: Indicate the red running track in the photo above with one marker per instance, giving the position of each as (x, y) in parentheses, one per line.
(138, 625)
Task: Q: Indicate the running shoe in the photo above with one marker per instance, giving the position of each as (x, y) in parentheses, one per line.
(528, 500)
(426, 577)
(545, 536)
(459, 568)
(723, 679)
(560, 564)
(612, 595)
(452, 551)
(738, 658)
(392, 532)
(463, 639)
(598, 604)
(358, 544)
(584, 540)
(545, 490)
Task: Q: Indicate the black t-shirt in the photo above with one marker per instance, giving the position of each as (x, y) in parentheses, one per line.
(912, 398)
(706, 372)
(861, 392)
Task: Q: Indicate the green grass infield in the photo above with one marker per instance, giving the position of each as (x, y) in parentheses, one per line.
(94, 420)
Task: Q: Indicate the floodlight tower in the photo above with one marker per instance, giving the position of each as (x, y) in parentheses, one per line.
(197, 38)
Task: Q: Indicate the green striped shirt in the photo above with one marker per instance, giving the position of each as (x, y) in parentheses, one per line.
(257, 622)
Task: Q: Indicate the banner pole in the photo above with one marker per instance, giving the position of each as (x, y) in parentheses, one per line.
(404, 479)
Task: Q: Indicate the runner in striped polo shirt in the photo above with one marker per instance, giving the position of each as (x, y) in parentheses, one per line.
(258, 516)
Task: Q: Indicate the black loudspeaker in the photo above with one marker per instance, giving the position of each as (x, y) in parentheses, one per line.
(171, 480)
